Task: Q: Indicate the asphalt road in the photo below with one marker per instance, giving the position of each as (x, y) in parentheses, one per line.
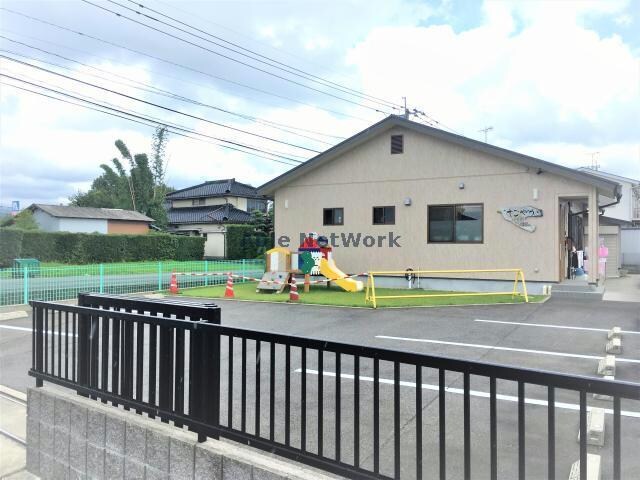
(541, 336)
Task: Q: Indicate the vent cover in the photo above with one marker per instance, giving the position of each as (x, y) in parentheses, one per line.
(397, 144)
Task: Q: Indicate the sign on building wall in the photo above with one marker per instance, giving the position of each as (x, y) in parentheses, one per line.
(518, 216)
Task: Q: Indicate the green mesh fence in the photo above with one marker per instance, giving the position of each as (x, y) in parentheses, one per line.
(20, 285)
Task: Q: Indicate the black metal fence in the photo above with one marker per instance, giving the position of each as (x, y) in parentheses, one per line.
(358, 411)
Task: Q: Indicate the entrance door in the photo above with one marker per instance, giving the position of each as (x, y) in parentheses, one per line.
(562, 234)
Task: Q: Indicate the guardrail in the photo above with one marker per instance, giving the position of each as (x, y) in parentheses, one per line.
(348, 409)
(372, 297)
(21, 285)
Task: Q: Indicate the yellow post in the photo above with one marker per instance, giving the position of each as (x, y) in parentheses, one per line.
(370, 295)
(524, 286)
(515, 286)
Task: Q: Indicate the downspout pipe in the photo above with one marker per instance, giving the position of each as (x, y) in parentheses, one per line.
(616, 202)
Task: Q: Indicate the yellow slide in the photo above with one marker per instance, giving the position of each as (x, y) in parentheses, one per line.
(328, 269)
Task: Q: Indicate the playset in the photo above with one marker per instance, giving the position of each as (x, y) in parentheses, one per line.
(314, 257)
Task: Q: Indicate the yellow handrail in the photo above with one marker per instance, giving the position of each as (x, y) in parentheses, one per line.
(371, 297)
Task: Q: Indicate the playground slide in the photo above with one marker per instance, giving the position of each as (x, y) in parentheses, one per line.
(328, 269)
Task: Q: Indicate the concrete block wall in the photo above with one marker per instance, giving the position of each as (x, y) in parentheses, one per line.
(69, 436)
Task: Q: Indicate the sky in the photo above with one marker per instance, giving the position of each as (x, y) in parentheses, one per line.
(556, 80)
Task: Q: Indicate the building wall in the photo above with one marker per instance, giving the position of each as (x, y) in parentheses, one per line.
(237, 202)
(429, 172)
(45, 221)
(83, 225)
(214, 246)
(630, 246)
(128, 227)
(624, 209)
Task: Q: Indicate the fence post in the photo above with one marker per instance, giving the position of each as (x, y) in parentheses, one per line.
(159, 276)
(244, 270)
(101, 278)
(83, 345)
(25, 285)
(205, 386)
(206, 270)
(38, 333)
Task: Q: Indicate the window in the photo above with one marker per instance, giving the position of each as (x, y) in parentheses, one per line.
(384, 215)
(256, 204)
(456, 223)
(198, 202)
(333, 216)
(397, 144)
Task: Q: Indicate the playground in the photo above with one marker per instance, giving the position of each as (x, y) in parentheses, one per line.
(311, 276)
(336, 296)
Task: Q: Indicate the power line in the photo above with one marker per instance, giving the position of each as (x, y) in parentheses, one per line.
(170, 62)
(144, 121)
(197, 45)
(201, 85)
(280, 51)
(93, 100)
(153, 89)
(288, 68)
(159, 106)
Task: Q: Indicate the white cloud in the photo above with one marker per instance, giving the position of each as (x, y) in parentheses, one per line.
(551, 82)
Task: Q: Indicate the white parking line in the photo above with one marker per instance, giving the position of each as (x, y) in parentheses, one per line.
(507, 349)
(546, 325)
(473, 393)
(25, 329)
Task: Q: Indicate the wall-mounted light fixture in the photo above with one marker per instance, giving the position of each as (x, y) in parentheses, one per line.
(407, 201)
(535, 194)
(461, 185)
(286, 204)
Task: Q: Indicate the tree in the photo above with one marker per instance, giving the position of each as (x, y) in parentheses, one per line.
(23, 220)
(140, 187)
(263, 222)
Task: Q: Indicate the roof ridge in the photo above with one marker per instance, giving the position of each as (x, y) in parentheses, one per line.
(393, 120)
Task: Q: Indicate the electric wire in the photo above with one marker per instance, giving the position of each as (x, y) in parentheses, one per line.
(155, 90)
(130, 97)
(227, 57)
(280, 65)
(176, 64)
(142, 121)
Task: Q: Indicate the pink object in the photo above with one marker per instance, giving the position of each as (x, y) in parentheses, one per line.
(603, 252)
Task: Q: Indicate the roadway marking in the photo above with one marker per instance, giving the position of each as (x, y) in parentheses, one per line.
(473, 393)
(507, 349)
(25, 329)
(546, 325)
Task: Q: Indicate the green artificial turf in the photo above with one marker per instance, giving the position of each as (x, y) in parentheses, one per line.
(321, 295)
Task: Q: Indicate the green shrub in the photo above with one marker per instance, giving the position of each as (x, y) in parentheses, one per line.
(82, 248)
(10, 246)
(244, 242)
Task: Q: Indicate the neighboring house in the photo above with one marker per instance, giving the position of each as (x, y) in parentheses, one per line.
(61, 218)
(448, 201)
(207, 208)
(622, 221)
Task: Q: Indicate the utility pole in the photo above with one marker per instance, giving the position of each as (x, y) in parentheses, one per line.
(485, 130)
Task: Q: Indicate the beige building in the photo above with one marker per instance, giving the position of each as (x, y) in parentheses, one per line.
(417, 197)
(205, 210)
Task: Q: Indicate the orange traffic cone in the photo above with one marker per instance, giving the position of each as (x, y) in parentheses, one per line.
(293, 290)
(173, 284)
(228, 293)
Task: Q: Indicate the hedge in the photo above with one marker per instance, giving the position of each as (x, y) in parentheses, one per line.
(10, 243)
(82, 248)
(244, 242)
